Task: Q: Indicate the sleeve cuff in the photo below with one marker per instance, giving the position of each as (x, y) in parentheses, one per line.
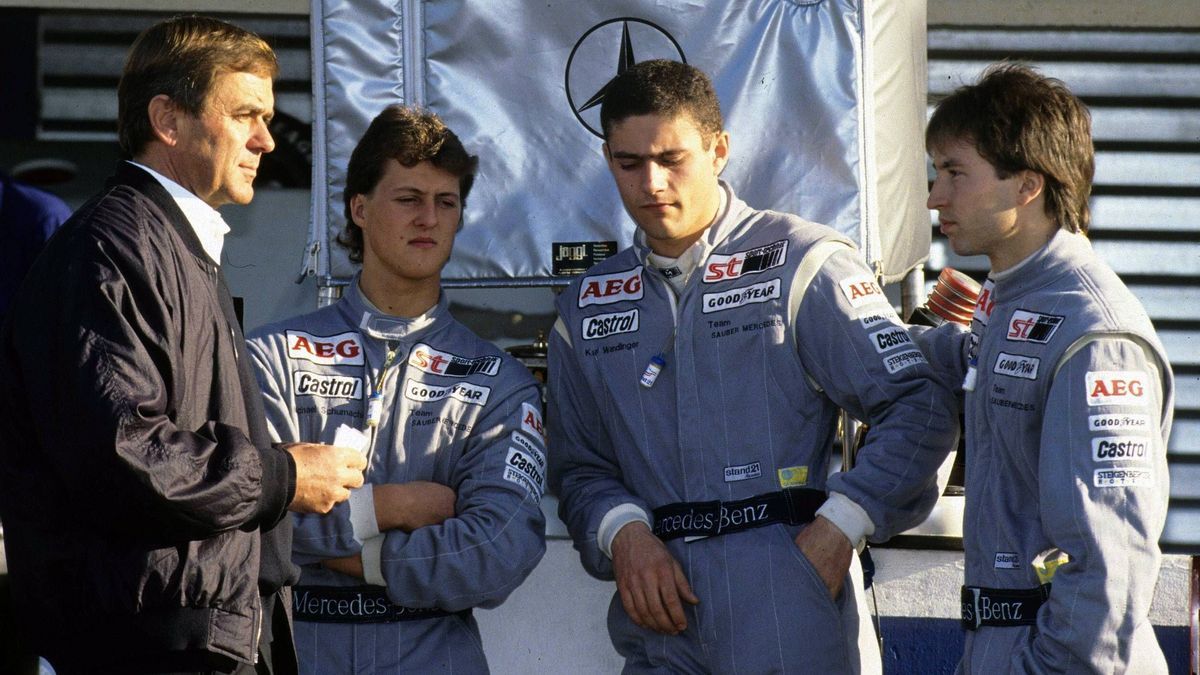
(277, 487)
(616, 518)
(848, 517)
(372, 561)
(362, 513)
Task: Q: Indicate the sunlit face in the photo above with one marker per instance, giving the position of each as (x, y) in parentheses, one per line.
(666, 172)
(217, 152)
(977, 210)
(409, 222)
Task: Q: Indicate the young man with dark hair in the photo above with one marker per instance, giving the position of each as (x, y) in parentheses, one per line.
(142, 499)
(695, 382)
(1068, 392)
(450, 517)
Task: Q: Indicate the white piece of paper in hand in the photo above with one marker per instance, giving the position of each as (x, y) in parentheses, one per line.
(347, 436)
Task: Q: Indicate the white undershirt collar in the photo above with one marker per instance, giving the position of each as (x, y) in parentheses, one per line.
(206, 222)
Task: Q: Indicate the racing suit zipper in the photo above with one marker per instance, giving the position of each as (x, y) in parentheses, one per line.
(659, 360)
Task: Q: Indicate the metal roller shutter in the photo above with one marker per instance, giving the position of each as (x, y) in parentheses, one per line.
(1143, 88)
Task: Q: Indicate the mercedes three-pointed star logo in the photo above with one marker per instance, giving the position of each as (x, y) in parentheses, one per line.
(591, 75)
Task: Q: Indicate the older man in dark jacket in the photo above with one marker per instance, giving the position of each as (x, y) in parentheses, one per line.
(143, 501)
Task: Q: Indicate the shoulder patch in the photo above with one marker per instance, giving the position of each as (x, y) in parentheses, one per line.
(890, 338)
(1116, 387)
(531, 421)
(898, 362)
(741, 263)
(605, 289)
(862, 290)
(1113, 448)
(1122, 477)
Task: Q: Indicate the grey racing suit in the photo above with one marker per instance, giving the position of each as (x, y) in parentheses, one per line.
(779, 324)
(455, 410)
(1066, 429)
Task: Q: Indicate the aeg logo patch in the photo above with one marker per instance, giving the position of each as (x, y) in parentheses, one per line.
(427, 359)
(605, 289)
(1032, 327)
(746, 295)
(531, 421)
(986, 303)
(1017, 365)
(463, 391)
(1116, 387)
(326, 386)
(604, 325)
(890, 338)
(342, 349)
(862, 290)
(754, 261)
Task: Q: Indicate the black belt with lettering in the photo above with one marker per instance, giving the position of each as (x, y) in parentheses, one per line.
(356, 604)
(1001, 606)
(793, 506)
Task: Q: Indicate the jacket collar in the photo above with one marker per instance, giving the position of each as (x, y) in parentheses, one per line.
(131, 176)
(1061, 255)
(359, 311)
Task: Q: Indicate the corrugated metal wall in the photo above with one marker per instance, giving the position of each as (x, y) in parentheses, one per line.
(80, 56)
(1143, 89)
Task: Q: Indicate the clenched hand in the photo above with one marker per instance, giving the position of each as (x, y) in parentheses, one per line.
(325, 475)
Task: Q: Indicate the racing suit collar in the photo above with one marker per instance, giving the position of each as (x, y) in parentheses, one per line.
(730, 213)
(1042, 267)
(373, 322)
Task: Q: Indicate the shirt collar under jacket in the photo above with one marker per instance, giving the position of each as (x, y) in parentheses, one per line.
(1059, 256)
(209, 226)
(689, 260)
(376, 323)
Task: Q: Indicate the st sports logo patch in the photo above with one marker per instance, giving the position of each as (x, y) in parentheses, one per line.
(754, 261)
(605, 289)
(1116, 387)
(429, 360)
(737, 297)
(1026, 326)
(326, 386)
(604, 325)
(342, 349)
(462, 391)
